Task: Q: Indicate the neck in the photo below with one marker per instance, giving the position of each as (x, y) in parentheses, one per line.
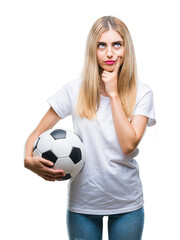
(102, 90)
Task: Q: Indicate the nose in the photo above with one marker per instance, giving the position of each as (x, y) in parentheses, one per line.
(109, 52)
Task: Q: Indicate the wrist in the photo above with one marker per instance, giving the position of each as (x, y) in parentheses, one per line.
(114, 96)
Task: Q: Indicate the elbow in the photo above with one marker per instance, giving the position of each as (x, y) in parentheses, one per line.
(25, 163)
(128, 149)
(129, 145)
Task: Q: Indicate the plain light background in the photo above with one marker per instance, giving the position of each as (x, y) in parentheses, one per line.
(42, 47)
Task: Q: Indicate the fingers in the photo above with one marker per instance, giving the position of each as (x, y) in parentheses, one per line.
(106, 74)
(47, 178)
(52, 179)
(55, 173)
(46, 162)
(50, 173)
(116, 69)
(53, 176)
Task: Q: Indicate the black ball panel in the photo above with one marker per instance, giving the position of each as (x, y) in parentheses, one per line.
(50, 156)
(67, 176)
(58, 134)
(75, 155)
(35, 146)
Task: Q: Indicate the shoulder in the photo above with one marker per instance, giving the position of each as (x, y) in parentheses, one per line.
(74, 83)
(68, 91)
(143, 89)
(72, 86)
(144, 103)
(64, 99)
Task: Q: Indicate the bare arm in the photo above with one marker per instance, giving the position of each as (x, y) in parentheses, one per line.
(129, 133)
(38, 165)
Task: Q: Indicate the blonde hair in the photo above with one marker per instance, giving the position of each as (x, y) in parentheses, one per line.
(89, 94)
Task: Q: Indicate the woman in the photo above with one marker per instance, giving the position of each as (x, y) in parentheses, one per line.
(110, 110)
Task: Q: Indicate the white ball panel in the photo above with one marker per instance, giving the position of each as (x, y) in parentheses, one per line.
(36, 142)
(61, 148)
(46, 133)
(64, 163)
(83, 152)
(36, 153)
(73, 139)
(45, 143)
(77, 168)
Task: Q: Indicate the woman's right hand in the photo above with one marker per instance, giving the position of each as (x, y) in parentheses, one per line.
(43, 168)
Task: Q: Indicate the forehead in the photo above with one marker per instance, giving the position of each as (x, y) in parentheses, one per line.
(110, 36)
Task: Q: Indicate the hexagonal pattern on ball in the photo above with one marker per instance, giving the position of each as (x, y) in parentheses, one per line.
(45, 143)
(64, 163)
(36, 153)
(67, 176)
(73, 139)
(36, 143)
(76, 155)
(61, 148)
(58, 134)
(46, 133)
(77, 168)
(49, 155)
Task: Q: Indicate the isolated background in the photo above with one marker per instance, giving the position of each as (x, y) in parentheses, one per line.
(41, 48)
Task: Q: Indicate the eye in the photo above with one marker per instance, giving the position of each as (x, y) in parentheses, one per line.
(101, 45)
(117, 45)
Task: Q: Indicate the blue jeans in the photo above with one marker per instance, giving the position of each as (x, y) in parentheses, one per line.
(125, 226)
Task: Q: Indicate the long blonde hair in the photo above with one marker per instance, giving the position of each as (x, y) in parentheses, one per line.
(89, 94)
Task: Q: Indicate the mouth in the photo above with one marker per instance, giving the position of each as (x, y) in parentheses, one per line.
(110, 62)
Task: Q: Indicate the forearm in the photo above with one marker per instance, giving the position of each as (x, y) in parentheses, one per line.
(47, 122)
(125, 133)
(29, 147)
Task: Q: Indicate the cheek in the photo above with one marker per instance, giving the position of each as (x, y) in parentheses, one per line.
(99, 57)
(121, 52)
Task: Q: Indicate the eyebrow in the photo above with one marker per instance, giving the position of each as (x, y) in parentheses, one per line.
(112, 42)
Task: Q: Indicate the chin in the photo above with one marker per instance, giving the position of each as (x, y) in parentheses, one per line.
(106, 68)
(109, 68)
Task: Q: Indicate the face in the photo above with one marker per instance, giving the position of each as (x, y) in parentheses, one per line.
(110, 47)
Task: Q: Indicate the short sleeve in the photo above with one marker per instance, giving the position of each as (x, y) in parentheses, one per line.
(61, 102)
(145, 106)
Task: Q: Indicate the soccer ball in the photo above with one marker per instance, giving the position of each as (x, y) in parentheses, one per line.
(62, 147)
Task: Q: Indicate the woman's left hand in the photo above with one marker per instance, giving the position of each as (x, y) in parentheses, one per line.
(110, 80)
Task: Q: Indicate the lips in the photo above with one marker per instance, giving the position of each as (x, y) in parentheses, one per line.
(110, 62)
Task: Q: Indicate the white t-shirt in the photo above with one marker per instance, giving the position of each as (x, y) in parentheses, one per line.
(109, 182)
